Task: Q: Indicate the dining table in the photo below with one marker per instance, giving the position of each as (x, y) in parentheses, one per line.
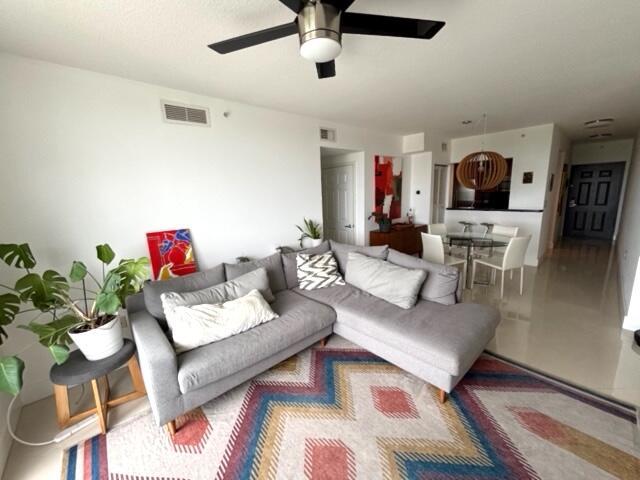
(472, 240)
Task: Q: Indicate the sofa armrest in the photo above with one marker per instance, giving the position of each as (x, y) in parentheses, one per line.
(158, 362)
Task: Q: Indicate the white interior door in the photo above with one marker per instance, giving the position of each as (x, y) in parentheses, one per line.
(439, 193)
(338, 203)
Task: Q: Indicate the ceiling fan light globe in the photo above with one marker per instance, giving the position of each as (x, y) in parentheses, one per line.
(320, 49)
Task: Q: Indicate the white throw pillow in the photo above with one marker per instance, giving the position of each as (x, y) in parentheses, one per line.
(317, 271)
(195, 325)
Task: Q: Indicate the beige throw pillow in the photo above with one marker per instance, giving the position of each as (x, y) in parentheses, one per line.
(196, 325)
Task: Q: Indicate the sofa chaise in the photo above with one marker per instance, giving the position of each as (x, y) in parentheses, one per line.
(437, 340)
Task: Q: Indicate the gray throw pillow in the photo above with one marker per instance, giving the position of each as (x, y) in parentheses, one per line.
(442, 284)
(273, 265)
(195, 281)
(318, 271)
(291, 267)
(385, 280)
(341, 252)
(229, 290)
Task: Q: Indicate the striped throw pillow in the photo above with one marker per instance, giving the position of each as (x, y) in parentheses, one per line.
(317, 271)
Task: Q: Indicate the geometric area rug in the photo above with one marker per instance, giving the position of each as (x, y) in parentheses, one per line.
(340, 412)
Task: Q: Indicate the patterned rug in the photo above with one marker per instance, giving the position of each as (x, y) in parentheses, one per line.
(342, 413)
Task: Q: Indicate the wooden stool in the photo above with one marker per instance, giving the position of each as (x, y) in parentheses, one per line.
(77, 370)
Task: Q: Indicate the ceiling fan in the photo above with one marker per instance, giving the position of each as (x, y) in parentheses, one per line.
(320, 25)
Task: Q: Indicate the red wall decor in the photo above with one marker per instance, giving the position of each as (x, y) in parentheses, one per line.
(388, 182)
(171, 253)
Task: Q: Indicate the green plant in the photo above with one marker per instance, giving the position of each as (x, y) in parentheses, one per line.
(312, 229)
(50, 294)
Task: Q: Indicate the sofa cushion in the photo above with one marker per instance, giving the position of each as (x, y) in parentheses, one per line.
(290, 265)
(318, 271)
(273, 264)
(442, 281)
(341, 251)
(446, 337)
(189, 283)
(395, 284)
(195, 325)
(298, 319)
(223, 292)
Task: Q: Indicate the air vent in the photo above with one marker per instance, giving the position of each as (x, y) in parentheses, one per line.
(174, 112)
(328, 134)
(601, 135)
(444, 146)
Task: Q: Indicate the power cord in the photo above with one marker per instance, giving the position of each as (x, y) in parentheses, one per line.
(63, 435)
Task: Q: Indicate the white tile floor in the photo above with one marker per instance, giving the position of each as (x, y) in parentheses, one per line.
(567, 324)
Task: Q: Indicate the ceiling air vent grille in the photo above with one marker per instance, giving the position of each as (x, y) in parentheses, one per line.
(177, 113)
(328, 134)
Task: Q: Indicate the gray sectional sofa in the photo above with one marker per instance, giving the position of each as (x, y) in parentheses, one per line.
(437, 340)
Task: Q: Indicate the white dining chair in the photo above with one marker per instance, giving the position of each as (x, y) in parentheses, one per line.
(433, 251)
(437, 229)
(505, 231)
(512, 259)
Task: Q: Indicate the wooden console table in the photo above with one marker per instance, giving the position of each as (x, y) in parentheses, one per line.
(403, 237)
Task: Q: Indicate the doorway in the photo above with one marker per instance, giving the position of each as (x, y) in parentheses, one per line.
(592, 202)
(339, 194)
(439, 193)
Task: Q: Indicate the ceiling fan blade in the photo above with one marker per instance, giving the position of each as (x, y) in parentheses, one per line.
(255, 38)
(295, 5)
(340, 4)
(365, 24)
(327, 69)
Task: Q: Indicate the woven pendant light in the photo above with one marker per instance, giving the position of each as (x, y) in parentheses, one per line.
(482, 170)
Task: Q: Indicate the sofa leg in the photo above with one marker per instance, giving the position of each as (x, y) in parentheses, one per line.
(442, 395)
(323, 342)
(170, 427)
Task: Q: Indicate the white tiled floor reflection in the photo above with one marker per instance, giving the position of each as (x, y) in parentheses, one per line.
(568, 321)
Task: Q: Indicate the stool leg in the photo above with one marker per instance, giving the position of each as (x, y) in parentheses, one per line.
(136, 375)
(101, 408)
(62, 404)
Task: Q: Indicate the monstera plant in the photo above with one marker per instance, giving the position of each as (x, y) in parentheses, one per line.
(81, 307)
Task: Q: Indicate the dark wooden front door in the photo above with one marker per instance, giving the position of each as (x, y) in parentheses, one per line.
(592, 203)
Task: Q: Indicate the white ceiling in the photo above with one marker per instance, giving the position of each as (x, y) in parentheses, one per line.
(523, 62)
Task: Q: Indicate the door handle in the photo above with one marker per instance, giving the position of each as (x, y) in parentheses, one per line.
(572, 203)
(348, 226)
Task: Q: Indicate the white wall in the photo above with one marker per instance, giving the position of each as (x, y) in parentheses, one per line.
(87, 159)
(530, 149)
(609, 151)
(560, 147)
(628, 244)
(533, 149)
(420, 170)
(372, 144)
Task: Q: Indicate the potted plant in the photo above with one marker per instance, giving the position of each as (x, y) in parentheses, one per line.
(383, 221)
(89, 318)
(311, 234)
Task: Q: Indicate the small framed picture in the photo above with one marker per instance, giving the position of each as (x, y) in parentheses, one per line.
(527, 177)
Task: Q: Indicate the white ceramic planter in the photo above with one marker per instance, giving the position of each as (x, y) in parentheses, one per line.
(311, 242)
(101, 342)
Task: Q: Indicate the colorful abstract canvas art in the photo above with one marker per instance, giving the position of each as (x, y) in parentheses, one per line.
(388, 184)
(171, 253)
